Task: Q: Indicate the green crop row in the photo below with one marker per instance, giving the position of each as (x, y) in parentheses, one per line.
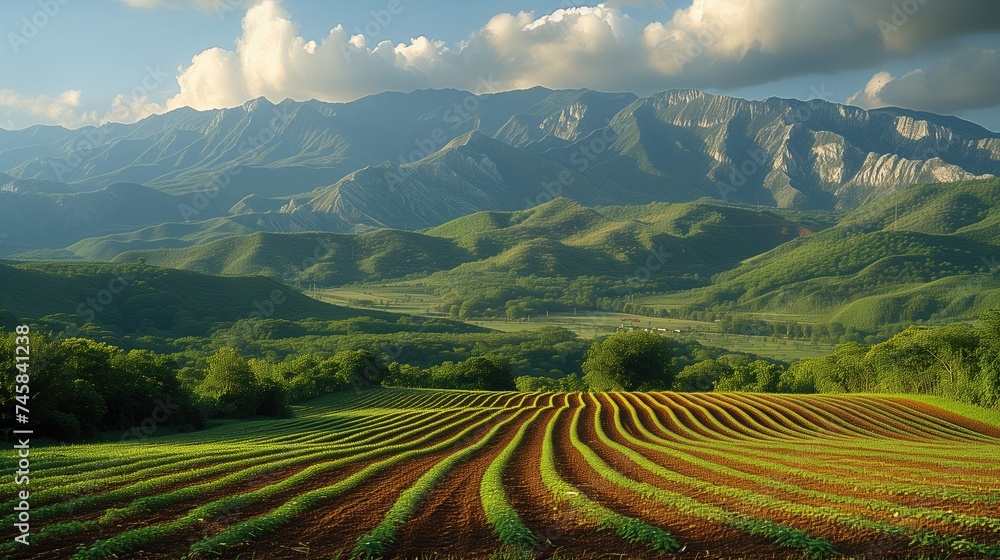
(375, 543)
(764, 459)
(499, 513)
(151, 503)
(629, 528)
(272, 521)
(287, 458)
(874, 444)
(767, 482)
(826, 513)
(815, 546)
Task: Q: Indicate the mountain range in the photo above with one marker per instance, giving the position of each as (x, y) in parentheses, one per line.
(417, 160)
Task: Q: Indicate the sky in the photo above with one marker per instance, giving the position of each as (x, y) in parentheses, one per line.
(76, 63)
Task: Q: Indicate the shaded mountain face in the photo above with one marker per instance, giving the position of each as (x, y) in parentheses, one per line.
(30, 219)
(419, 159)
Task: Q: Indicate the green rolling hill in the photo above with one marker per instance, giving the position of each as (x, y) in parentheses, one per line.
(141, 299)
(927, 253)
(313, 258)
(559, 238)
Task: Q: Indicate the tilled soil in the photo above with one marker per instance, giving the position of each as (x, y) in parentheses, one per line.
(810, 434)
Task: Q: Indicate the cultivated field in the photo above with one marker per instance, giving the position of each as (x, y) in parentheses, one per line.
(422, 474)
(587, 324)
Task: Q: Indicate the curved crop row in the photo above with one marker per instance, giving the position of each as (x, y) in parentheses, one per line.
(629, 528)
(787, 536)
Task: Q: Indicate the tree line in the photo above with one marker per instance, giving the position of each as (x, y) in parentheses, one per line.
(83, 389)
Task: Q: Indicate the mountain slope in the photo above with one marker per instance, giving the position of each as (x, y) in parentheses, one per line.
(473, 172)
(35, 219)
(927, 252)
(313, 258)
(683, 144)
(559, 238)
(131, 298)
(419, 159)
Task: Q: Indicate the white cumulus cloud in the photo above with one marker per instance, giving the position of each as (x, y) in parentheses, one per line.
(64, 109)
(709, 44)
(67, 109)
(965, 81)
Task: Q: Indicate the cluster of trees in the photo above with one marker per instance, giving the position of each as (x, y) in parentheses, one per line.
(233, 387)
(732, 372)
(629, 361)
(479, 373)
(80, 387)
(954, 361)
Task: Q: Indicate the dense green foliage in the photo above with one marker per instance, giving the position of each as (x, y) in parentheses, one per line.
(79, 387)
(480, 373)
(125, 335)
(629, 361)
(922, 255)
(557, 256)
(325, 259)
(953, 361)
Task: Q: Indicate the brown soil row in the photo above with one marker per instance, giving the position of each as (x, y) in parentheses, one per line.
(699, 538)
(776, 471)
(330, 527)
(451, 524)
(721, 479)
(714, 418)
(892, 421)
(950, 417)
(451, 520)
(818, 423)
(834, 415)
(559, 530)
(845, 416)
(752, 417)
(846, 541)
(60, 546)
